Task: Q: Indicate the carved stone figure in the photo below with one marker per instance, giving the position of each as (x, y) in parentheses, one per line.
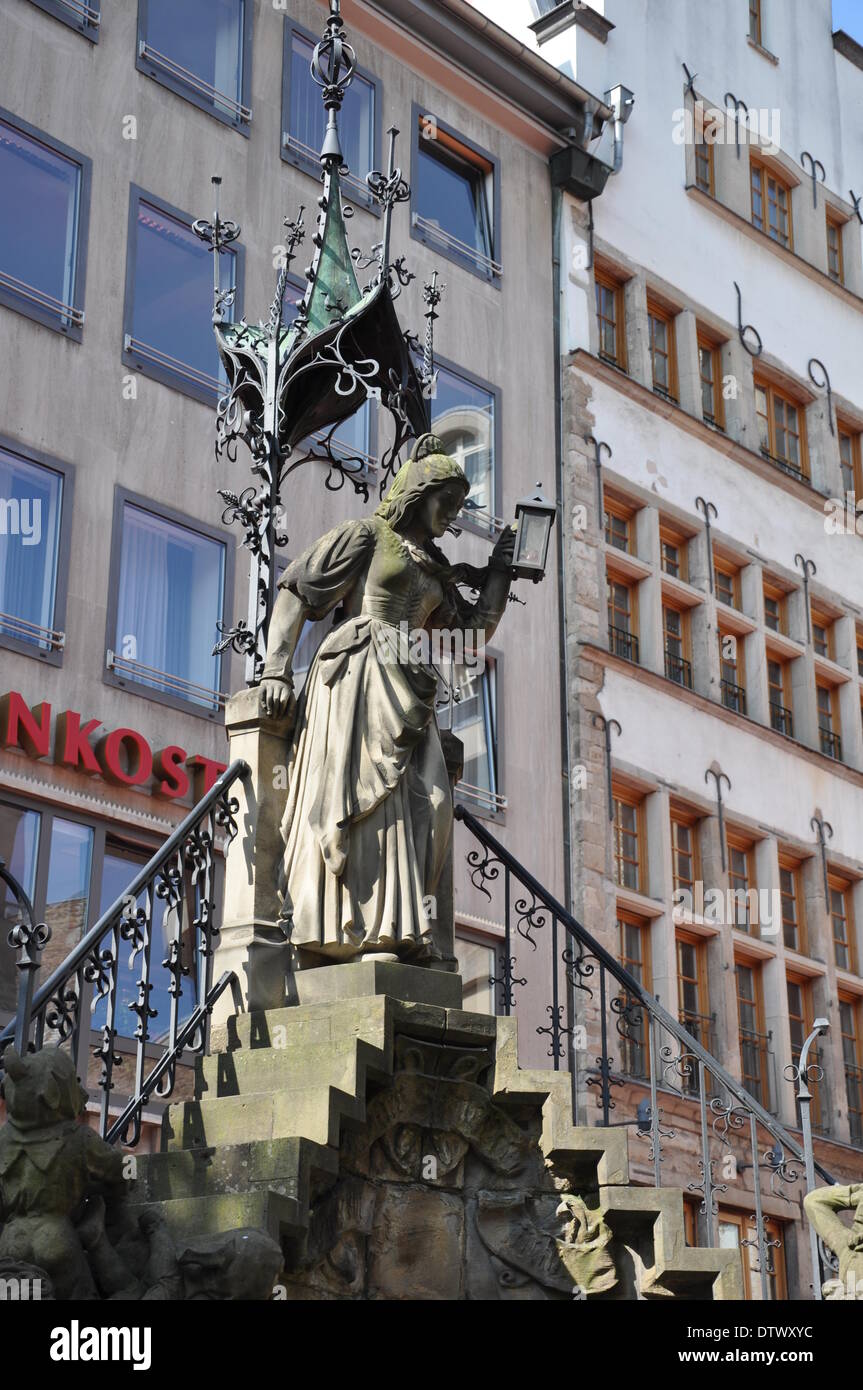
(368, 819)
(846, 1241)
(49, 1163)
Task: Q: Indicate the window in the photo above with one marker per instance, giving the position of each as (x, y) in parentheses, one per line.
(170, 595)
(692, 998)
(859, 653)
(849, 460)
(800, 1016)
(771, 204)
(634, 935)
(169, 300)
(83, 15)
(705, 138)
(663, 366)
(738, 1231)
(753, 1039)
(842, 920)
(849, 1023)
(675, 629)
(793, 925)
(202, 51)
(835, 261)
(710, 369)
(43, 226)
(828, 720)
(304, 119)
(781, 429)
(474, 721)
(741, 881)
(726, 578)
(476, 965)
(628, 843)
(616, 527)
(732, 684)
(822, 633)
(775, 614)
(622, 639)
(609, 318)
(465, 413)
(454, 198)
(755, 21)
(673, 552)
(19, 844)
(684, 854)
(779, 695)
(33, 559)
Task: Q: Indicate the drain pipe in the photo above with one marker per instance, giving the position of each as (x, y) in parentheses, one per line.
(621, 100)
(563, 536)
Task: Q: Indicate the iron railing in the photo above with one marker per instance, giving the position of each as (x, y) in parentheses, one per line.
(614, 1034)
(623, 643)
(180, 877)
(831, 744)
(781, 719)
(678, 669)
(733, 696)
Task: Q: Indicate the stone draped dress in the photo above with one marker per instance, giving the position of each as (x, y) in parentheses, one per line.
(368, 818)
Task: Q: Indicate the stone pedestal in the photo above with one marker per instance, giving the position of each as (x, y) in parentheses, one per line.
(253, 942)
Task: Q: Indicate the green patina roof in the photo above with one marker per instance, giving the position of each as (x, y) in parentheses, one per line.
(336, 280)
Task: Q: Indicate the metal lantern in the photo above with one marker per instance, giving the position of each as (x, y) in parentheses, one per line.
(534, 516)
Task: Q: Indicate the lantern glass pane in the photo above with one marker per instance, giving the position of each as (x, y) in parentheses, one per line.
(532, 539)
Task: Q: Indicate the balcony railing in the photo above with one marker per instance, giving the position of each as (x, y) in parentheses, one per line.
(481, 798)
(164, 681)
(173, 365)
(456, 246)
(831, 744)
(66, 313)
(45, 637)
(678, 669)
(623, 643)
(733, 696)
(84, 12)
(782, 720)
(350, 183)
(198, 84)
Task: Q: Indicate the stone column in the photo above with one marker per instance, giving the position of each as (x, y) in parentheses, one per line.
(688, 369)
(253, 942)
(637, 330)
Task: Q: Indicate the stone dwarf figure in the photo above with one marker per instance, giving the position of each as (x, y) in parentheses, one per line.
(822, 1206)
(368, 820)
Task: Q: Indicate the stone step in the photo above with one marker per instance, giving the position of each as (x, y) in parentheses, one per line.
(284, 1165)
(261, 1209)
(286, 1069)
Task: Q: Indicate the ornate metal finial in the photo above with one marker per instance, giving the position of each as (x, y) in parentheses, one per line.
(218, 235)
(296, 235)
(334, 63)
(432, 296)
(389, 188)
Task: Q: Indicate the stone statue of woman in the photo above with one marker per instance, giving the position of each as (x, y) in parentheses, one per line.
(368, 819)
(822, 1206)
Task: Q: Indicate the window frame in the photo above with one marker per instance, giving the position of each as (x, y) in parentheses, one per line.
(623, 796)
(496, 392)
(755, 22)
(689, 822)
(84, 26)
(717, 417)
(760, 1030)
(853, 1003)
(785, 687)
(494, 660)
(632, 632)
(64, 549)
(737, 841)
(779, 596)
(849, 432)
(705, 1018)
(137, 361)
(494, 274)
(670, 536)
(355, 191)
(127, 682)
(792, 866)
(766, 172)
(605, 280)
(8, 297)
(658, 313)
(739, 664)
(805, 1019)
(833, 222)
(730, 571)
(773, 393)
(835, 728)
(773, 1231)
(837, 883)
(684, 639)
(186, 90)
(625, 917)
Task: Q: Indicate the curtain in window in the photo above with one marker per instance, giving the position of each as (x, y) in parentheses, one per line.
(30, 508)
(170, 600)
(203, 36)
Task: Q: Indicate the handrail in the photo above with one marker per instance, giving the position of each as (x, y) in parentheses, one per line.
(79, 953)
(633, 987)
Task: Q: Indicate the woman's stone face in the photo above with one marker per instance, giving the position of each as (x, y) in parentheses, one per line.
(441, 507)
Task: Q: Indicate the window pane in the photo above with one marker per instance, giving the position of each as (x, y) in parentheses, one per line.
(173, 291)
(68, 894)
(38, 215)
(170, 602)
(19, 844)
(30, 509)
(473, 722)
(451, 194)
(463, 417)
(203, 36)
(308, 118)
(120, 866)
(476, 964)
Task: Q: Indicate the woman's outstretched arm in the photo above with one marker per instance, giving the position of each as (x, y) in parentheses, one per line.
(286, 624)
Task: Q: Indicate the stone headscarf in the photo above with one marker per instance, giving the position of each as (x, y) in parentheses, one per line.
(427, 467)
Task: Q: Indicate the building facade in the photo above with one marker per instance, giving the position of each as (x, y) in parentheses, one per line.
(118, 569)
(710, 310)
